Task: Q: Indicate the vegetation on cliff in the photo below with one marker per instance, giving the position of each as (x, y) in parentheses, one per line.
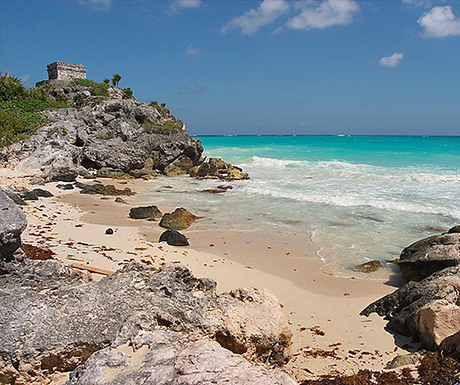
(20, 109)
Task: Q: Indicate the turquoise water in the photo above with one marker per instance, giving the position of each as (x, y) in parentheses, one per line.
(358, 198)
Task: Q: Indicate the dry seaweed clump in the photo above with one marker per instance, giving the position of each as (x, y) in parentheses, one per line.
(434, 369)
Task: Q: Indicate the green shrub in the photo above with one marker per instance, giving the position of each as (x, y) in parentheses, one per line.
(161, 128)
(127, 93)
(99, 89)
(106, 136)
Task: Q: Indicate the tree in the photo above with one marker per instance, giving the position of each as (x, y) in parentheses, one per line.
(116, 79)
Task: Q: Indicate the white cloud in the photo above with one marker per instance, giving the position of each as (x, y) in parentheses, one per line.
(440, 22)
(98, 4)
(327, 14)
(192, 51)
(417, 3)
(254, 19)
(391, 61)
(177, 5)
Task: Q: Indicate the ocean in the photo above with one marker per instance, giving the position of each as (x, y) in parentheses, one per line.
(358, 198)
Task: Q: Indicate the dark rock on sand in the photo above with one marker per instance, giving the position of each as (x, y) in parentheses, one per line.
(454, 230)
(145, 212)
(99, 188)
(120, 200)
(180, 219)
(429, 255)
(215, 168)
(13, 195)
(109, 231)
(174, 238)
(427, 310)
(67, 186)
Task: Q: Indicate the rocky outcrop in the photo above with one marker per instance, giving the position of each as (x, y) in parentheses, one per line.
(179, 219)
(427, 310)
(215, 168)
(110, 132)
(101, 189)
(163, 326)
(429, 255)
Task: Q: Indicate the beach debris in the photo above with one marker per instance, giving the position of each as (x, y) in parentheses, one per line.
(145, 212)
(215, 168)
(180, 219)
(429, 255)
(91, 269)
(368, 267)
(174, 238)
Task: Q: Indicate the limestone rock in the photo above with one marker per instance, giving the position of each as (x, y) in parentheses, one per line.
(99, 188)
(429, 255)
(179, 166)
(145, 212)
(167, 358)
(179, 219)
(174, 238)
(61, 169)
(426, 310)
(12, 224)
(215, 168)
(133, 302)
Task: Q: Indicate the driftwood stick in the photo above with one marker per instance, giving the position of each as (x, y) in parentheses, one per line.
(91, 269)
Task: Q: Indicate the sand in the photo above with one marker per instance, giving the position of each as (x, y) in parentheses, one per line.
(329, 335)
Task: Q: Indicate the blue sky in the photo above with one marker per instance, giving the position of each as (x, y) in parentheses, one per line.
(247, 67)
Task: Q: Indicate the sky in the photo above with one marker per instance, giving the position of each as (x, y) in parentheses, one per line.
(256, 67)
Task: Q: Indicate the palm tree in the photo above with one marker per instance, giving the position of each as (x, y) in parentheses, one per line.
(116, 79)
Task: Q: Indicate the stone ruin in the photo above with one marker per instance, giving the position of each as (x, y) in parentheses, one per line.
(61, 71)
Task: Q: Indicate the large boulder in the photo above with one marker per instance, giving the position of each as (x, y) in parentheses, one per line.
(51, 319)
(12, 224)
(145, 212)
(174, 238)
(429, 255)
(427, 310)
(179, 219)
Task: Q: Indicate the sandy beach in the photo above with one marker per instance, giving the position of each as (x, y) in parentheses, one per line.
(329, 335)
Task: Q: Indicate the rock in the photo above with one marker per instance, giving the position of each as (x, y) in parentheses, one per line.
(67, 186)
(43, 193)
(180, 219)
(61, 169)
(174, 238)
(429, 255)
(167, 358)
(37, 181)
(454, 230)
(109, 231)
(179, 166)
(109, 132)
(120, 200)
(14, 196)
(145, 212)
(108, 172)
(426, 310)
(368, 267)
(52, 319)
(101, 189)
(12, 224)
(404, 360)
(216, 168)
(29, 196)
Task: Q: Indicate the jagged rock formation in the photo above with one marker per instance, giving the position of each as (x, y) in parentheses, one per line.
(163, 326)
(427, 308)
(111, 132)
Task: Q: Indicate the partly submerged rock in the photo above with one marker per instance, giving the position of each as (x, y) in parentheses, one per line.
(368, 267)
(174, 238)
(429, 255)
(179, 219)
(215, 168)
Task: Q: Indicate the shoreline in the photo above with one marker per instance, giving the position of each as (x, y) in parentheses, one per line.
(329, 336)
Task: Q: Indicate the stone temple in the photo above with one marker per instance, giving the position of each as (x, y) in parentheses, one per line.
(61, 71)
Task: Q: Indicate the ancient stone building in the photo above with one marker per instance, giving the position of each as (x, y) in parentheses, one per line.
(64, 71)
